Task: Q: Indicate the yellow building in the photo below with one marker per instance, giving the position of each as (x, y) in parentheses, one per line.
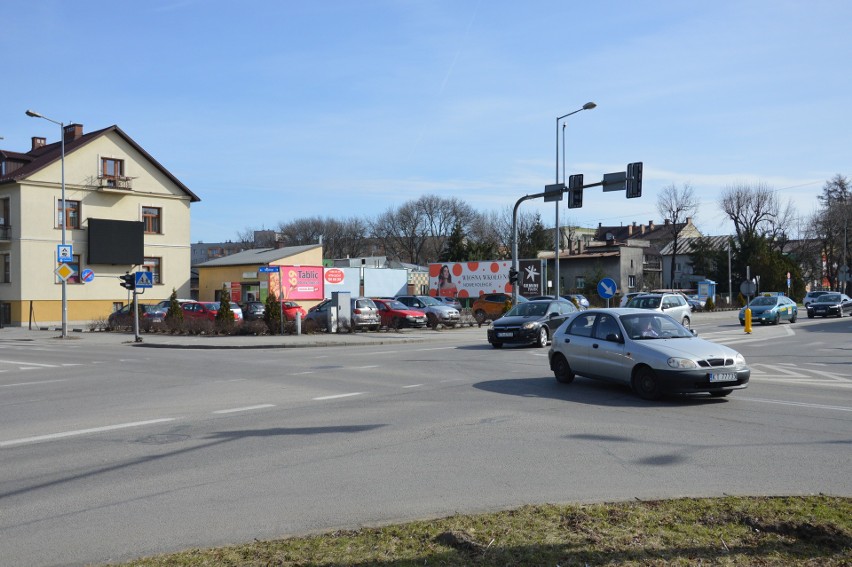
(242, 275)
(108, 177)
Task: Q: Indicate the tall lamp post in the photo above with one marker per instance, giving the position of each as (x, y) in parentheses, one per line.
(64, 218)
(557, 238)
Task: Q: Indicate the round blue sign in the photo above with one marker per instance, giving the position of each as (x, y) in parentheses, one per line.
(87, 275)
(607, 288)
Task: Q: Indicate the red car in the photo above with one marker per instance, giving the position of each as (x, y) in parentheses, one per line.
(291, 308)
(395, 314)
(197, 310)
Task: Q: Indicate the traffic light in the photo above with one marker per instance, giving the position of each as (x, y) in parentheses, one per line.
(575, 191)
(513, 276)
(128, 281)
(634, 180)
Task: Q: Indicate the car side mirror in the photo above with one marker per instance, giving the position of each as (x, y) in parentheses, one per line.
(694, 332)
(553, 315)
(614, 338)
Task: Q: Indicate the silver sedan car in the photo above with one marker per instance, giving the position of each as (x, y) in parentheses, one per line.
(646, 350)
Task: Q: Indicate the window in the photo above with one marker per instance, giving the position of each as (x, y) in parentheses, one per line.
(631, 282)
(580, 282)
(4, 219)
(153, 265)
(582, 325)
(151, 217)
(112, 168)
(6, 268)
(72, 214)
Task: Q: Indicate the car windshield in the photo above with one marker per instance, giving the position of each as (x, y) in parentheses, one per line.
(644, 327)
(396, 305)
(531, 309)
(428, 300)
(645, 302)
(763, 301)
(211, 305)
(828, 298)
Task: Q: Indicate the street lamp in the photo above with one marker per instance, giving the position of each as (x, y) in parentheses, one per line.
(587, 106)
(64, 218)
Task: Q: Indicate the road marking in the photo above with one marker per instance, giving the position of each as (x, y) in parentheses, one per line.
(33, 364)
(323, 398)
(52, 436)
(796, 404)
(301, 373)
(363, 367)
(413, 386)
(247, 408)
(436, 348)
(32, 383)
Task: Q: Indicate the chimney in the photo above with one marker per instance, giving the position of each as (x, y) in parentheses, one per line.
(667, 222)
(38, 143)
(581, 246)
(688, 220)
(650, 225)
(642, 229)
(73, 132)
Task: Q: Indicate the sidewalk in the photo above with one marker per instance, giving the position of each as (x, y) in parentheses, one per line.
(165, 340)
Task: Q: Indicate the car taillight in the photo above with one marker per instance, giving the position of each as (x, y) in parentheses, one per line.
(357, 312)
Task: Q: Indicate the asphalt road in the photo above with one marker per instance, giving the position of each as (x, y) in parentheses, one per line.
(110, 452)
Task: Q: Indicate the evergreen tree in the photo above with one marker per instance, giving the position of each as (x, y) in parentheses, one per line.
(225, 316)
(272, 314)
(455, 250)
(174, 314)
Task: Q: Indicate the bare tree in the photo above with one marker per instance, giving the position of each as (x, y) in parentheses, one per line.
(677, 205)
(403, 232)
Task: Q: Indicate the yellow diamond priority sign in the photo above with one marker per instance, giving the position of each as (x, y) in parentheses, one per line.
(65, 271)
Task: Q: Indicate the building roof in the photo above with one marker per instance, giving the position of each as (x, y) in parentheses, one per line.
(685, 246)
(42, 156)
(258, 256)
(651, 231)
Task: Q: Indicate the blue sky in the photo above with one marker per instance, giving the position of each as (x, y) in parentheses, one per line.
(271, 111)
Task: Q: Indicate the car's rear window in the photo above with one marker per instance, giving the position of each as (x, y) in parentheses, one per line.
(645, 302)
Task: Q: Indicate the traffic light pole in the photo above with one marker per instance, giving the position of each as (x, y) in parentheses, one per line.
(137, 338)
(515, 241)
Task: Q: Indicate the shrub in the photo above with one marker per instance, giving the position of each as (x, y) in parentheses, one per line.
(272, 314)
(709, 305)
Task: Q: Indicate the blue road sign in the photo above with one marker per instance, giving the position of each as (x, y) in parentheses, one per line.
(64, 253)
(607, 288)
(87, 275)
(143, 280)
(268, 269)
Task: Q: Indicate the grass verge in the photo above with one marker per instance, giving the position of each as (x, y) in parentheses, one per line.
(764, 531)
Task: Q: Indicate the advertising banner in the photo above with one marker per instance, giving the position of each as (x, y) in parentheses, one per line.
(472, 279)
(299, 282)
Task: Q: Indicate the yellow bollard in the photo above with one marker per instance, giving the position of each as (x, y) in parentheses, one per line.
(748, 320)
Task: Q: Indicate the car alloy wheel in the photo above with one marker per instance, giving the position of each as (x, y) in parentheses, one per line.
(542, 337)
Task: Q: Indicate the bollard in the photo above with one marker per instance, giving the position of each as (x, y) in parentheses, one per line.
(298, 323)
(748, 320)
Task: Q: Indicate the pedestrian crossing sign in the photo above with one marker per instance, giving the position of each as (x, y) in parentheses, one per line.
(143, 280)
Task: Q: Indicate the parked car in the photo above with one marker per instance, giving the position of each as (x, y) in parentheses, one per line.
(396, 315)
(123, 317)
(812, 295)
(492, 306)
(196, 310)
(253, 310)
(625, 299)
(830, 305)
(164, 304)
(214, 306)
(292, 310)
(771, 309)
(532, 322)
(364, 314)
(579, 299)
(673, 304)
(451, 301)
(436, 312)
(649, 351)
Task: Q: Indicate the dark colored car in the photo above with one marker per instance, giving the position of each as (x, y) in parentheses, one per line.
(253, 310)
(124, 316)
(532, 322)
(396, 315)
(830, 305)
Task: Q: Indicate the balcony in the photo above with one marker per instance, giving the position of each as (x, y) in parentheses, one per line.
(652, 266)
(114, 183)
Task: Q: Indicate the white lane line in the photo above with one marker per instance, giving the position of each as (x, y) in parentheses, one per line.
(32, 383)
(363, 367)
(413, 386)
(52, 436)
(323, 398)
(301, 373)
(437, 348)
(796, 404)
(247, 408)
(71, 364)
(28, 363)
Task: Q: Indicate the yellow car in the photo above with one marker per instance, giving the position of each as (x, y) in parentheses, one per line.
(491, 306)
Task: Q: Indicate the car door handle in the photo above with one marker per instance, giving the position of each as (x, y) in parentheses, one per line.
(595, 345)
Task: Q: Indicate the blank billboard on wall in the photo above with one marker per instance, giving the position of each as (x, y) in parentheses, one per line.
(116, 242)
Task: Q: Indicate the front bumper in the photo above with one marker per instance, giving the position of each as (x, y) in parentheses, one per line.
(698, 381)
(823, 312)
(513, 335)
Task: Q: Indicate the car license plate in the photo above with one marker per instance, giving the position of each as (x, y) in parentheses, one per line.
(504, 335)
(724, 377)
